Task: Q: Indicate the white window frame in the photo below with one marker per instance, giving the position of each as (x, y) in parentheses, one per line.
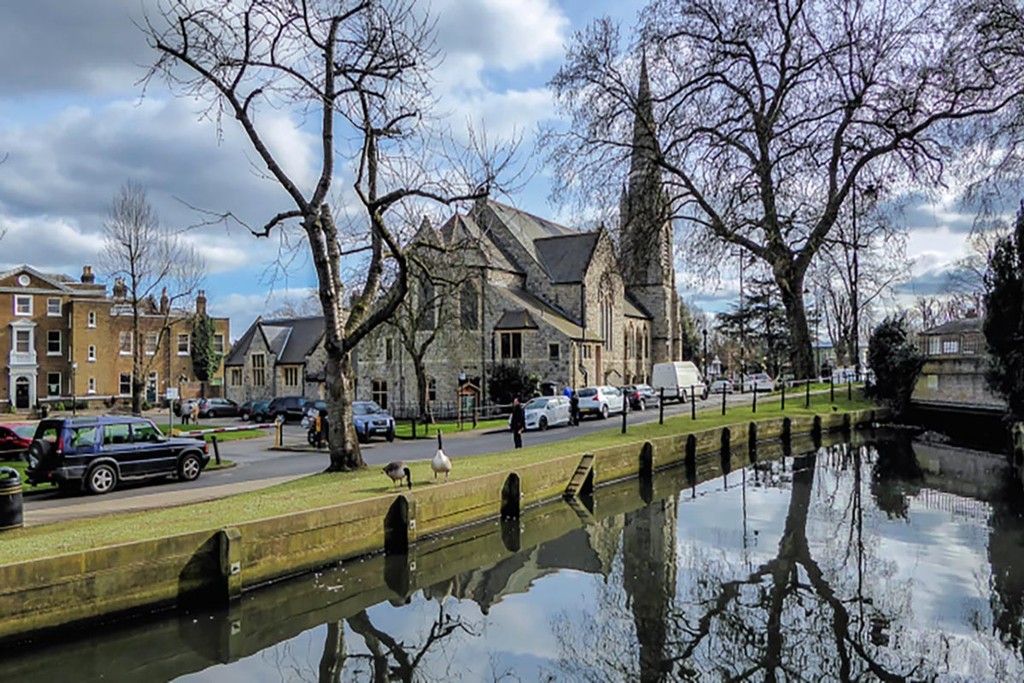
(120, 384)
(49, 307)
(92, 386)
(121, 345)
(22, 298)
(155, 338)
(60, 343)
(27, 334)
(188, 344)
(218, 344)
(91, 357)
(91, 319)
(60, 383)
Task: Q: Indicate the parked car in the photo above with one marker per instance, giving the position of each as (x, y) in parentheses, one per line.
(758, 381)
(288, 408)
(676, 378)
(601, 401)
(99, 452)
(217, 407)
(258, 411)
(721, 386)
(545, 411)
(370, 419)
(15, 440)
(640, 396)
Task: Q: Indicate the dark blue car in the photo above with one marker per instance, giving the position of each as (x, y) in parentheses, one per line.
(98, 452)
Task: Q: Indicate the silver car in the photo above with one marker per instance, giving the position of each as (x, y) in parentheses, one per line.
(601, 401)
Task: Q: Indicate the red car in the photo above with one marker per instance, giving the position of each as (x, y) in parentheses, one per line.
(15, 440)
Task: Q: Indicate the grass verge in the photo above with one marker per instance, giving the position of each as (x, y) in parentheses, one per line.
(322, 490)
(27, 488)
(403, 430)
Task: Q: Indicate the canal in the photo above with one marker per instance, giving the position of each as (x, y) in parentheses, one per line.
(877, 559)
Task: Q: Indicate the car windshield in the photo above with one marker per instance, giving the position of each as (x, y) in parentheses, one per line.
(584, 393)
(536, 403)
(24, 431)
(365, 408)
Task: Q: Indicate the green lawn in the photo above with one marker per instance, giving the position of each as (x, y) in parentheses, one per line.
(327, 489)
(403, 429)
(223, 436)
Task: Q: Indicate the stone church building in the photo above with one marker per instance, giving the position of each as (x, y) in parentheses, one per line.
(567, 305)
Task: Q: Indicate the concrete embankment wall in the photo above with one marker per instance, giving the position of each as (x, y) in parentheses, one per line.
(217, 565)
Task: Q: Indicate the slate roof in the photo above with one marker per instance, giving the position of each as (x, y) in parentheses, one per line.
(566, 257)
(527, 228)
(290, 339)
(956, 327)
(516, 320)
(460, 228)
(520, 300)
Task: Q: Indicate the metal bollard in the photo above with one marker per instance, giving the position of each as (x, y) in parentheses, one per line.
(693, 403)
(849, 388)
(783, 396)
(754, 410)
(807, 400)
(216, 449)
(625, 409)
(279, 434)
(661, 406)
(831, 389)
(723, 400)
(414, 428)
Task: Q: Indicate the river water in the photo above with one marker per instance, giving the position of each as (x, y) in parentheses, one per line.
(881, 559)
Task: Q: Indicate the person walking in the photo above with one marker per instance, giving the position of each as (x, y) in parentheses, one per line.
(195, 413)
(184, 412)
(518, 423)
(574, 410)
(324, 429)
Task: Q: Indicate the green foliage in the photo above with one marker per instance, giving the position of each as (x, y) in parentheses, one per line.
(509, 381)
(1004, 319)
(692, 338)
(204, 360)
(761, 325)
(896, 363)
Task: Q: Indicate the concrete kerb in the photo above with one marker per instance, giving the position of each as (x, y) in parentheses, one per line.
(220, 563)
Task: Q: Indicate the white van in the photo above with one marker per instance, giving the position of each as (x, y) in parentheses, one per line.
(677, 378)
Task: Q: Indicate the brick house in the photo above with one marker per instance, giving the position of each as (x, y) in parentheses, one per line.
(69, 339)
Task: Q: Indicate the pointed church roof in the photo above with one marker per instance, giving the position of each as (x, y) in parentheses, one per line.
(565, 258)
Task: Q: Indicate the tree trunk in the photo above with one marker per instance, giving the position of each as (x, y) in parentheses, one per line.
(421, 387)
(332, 662)
(343, 441)
(138, 382)
(791, 287)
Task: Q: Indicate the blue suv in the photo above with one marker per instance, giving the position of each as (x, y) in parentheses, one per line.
(371, 419)
(98, 452)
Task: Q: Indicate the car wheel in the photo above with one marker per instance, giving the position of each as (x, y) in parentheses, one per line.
(391, 435)
(311, 437)
(189, 467)
(642, 405)
(542, 425)
(245, 416)
(363, 438)
(101, 479)
(604, 412)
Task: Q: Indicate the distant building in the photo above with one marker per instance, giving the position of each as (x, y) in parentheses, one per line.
(279, 357)
(69, 339)
(953, 375)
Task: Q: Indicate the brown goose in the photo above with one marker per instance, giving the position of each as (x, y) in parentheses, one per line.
(398, 471)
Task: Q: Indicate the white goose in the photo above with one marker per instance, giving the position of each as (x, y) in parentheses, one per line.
(441, 462)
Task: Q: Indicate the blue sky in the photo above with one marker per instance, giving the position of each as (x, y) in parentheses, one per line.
(75, 126)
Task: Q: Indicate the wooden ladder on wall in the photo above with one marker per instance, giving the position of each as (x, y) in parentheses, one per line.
(579, 477)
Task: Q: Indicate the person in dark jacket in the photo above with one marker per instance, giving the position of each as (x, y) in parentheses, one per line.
(518, 423)
(574, 409)
(324, 429)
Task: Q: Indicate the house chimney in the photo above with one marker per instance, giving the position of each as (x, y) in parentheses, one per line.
(120, 289)
(201, 302)
(87, 277)
(165, 303)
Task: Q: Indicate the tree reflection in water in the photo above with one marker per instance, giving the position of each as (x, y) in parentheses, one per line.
(793, 616)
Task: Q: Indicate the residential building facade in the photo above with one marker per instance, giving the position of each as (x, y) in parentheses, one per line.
(70, 340)
(277, 357)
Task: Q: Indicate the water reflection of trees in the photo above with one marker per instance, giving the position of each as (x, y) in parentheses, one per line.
(791, 616)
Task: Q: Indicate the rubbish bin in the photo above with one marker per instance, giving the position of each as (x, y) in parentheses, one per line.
(11, 505)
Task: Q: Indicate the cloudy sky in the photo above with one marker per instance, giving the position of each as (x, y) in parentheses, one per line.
(75, 126)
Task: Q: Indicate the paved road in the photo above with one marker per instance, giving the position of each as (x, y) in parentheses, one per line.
(258, 466)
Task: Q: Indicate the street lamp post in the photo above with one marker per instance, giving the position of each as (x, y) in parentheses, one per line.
(74, 390)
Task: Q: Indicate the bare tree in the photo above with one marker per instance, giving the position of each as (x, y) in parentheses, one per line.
(357, 72)
(146, 259)
(768, 116)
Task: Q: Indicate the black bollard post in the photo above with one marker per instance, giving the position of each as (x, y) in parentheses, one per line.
(755, 399)
(414, 428)
(849, 388)
(783, 395)
(693, 403)
(625, 406)
(807, 400)
(723, 399)
(216, 449)
(832, 389)
(661, 406)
